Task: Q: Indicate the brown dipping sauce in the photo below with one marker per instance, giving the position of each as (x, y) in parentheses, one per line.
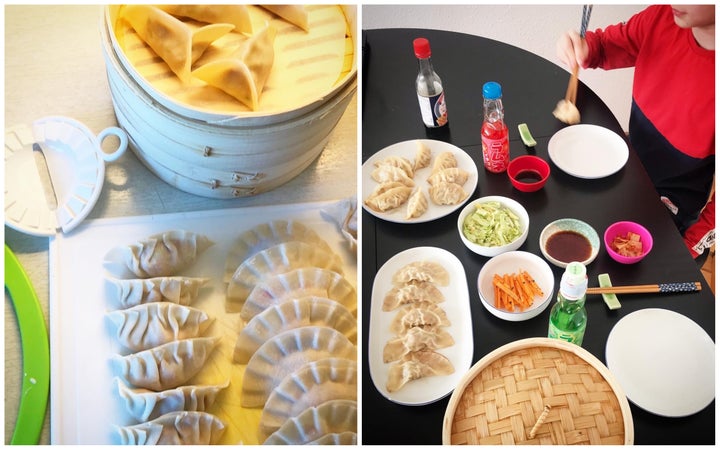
(568, 246)
(528, 176)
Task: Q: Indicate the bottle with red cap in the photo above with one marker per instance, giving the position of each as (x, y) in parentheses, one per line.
(431, 96)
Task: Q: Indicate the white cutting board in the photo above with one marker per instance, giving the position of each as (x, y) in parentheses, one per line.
(84, 403)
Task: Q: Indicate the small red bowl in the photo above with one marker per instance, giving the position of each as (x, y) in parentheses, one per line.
(621, 229)
(528, 173)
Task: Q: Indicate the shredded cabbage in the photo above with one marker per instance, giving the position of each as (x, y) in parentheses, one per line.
(492, 225)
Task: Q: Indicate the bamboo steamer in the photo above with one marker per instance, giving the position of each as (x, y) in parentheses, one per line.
(538, 391)
(216, 147)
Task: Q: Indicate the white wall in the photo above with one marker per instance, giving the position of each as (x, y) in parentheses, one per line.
(533, 28)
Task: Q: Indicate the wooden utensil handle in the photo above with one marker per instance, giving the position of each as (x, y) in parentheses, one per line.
(648, 288)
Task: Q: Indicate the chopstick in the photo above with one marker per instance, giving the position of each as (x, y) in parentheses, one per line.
(648, 288)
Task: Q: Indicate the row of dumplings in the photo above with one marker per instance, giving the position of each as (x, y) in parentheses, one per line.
(397, 187)
(298, 334)
(419, 325)
(163, 342)
(241, 72)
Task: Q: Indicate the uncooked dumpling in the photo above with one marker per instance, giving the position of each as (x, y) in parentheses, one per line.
(144, 404)
(159, 255)
(166, 366)
(173, 40)
(422, 271)
(444, 193)
(237, 15)
(291, 314)
(176, 428)
(281, 258)
(414, 339)
(344, 438)
(287, 352)
(416, 365)
(151, 324)
(311, 385)
(297, 284)
(295, 14)
(243, 75)
(334, 416)
(429, 316)
(416, 292)
(417, 205)
(266, 235)
(128, 293)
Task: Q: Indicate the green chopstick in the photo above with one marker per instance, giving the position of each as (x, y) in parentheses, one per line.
(35, 351)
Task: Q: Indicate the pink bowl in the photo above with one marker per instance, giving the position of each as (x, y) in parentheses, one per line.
(621, 229)
(528, 173)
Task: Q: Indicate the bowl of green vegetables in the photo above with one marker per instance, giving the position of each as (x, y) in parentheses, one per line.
(493, 225)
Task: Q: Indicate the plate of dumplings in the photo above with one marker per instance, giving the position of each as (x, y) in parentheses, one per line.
(417, 181)
(420, 326)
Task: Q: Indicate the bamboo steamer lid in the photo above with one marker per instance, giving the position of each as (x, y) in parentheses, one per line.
(554, 391)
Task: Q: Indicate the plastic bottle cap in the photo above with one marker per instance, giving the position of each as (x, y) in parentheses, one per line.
(492, 90)
(422, 48)
(573, 283)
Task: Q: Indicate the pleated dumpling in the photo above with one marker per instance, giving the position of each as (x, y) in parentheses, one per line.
(387, 173)
(414, 293)
(306, 282)
(175, 428)
(388, 196)
(237, 15)
(275, 260)
(128, 293)
(343, 438)
(423, 156)
(159, 255)
(285, 353)
(398, 161)
(311, 385)
(291, 314)
(243, 75)
(414, 339)
(425, 315)
(417, 205)
(416, 365)
(450, 175)
(173, 40)
(266, 235)
(295, 14)
(444, 193)
(332, 417)
(422, 271)
(151, 324)
(166, 366)
(144, 404)
(442, 161)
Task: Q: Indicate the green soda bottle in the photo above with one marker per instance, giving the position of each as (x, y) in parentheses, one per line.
(568, 317)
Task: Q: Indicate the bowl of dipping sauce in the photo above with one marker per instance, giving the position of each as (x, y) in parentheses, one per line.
(566, 240)
(627, 242)
(528, 173)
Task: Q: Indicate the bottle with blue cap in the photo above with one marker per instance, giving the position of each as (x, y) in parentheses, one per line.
(568, 317)
(494, 132)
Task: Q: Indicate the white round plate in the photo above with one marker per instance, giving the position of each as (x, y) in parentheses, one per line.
(407, 149)
(588, 151)
(664, 362)
(456, 305)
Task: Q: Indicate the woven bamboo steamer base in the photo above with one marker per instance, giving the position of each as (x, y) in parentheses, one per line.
(500, 399)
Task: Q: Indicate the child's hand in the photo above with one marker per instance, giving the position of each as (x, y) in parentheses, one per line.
(572, 50)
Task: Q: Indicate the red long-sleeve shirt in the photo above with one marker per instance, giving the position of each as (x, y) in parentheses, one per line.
(672, 123)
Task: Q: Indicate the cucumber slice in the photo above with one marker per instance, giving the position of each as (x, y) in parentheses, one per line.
(526, 136)
(611, 300)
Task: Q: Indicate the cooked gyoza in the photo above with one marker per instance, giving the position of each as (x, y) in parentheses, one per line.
(316, 422)
(444, 193)
(413, 316)
(414, 339)
(175, 428)
(243, 75)
(237, 15)
(417, 204)
(173, 40)
(166, 366)
(399, 162)
(163, 254)
(417, 292)
(144, 404)
(423, 156)
(422, 271)
(444, 160)
(388, 173)
(294, 313)
(311, 385)
(287, 352)
(388, 196)
(281, 258)
(128, 293)
(449, 175)
(416, 365)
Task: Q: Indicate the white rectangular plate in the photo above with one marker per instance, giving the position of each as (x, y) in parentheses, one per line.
(85, 406)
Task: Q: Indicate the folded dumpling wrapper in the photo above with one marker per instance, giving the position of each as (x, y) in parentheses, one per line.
(237, 15)
(171, 39)
(415, 339)
(425, 315)
(415, 293)
(332, 417)
(128, 293)
(176, 428)
(295, 14)
(416, 365)
(422, 271)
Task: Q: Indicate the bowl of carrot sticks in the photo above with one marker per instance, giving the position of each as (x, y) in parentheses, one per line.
(516, 285)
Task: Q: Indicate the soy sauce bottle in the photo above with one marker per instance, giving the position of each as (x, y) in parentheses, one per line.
(428, 85)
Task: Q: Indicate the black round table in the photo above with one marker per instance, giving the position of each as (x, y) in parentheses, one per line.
(532, 87)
